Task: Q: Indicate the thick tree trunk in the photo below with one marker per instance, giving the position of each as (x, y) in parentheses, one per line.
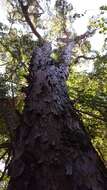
(52, 151)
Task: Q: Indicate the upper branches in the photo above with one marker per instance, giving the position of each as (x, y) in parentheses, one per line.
(70, 44)
(29, 21)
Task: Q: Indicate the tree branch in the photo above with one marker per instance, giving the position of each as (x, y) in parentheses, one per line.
(3, 155)
(6, 166)
(5, 145)
(84, 57)
(40, 7)
(92, 115)
(28, 20)
(4, 64)
(67, 51)
(84, 36)
(77, 38)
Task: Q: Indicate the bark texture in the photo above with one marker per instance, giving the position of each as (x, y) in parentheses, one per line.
(52, 149)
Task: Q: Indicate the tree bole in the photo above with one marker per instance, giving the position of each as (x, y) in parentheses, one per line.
(52, 149)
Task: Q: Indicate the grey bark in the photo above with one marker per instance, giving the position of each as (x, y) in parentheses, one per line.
(52, 149)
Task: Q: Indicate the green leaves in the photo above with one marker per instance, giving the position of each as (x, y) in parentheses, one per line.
(89, 94)
(104, 8)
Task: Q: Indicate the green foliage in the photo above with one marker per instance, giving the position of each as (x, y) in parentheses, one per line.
(89, 93)
(15, 52)
(100, 23)
(104, 7)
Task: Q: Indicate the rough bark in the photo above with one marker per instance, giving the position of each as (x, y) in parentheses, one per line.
(9, 115)
(52, 149)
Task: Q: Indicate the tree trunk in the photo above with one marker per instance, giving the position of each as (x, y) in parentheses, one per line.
(52, 150)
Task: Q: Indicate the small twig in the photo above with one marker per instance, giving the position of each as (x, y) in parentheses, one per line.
(1, 65)
(92, 115)
(3, 155)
